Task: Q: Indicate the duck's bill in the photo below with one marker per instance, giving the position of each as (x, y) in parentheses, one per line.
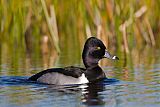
(109, 56)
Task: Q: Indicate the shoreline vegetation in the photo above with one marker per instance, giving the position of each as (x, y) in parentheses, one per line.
(128, 28)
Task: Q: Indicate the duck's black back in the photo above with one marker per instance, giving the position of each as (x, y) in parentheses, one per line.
(67, 71)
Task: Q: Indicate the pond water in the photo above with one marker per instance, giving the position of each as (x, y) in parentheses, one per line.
(133, 81)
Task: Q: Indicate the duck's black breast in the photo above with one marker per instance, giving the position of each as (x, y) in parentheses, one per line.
(95, 74)
(60, 76)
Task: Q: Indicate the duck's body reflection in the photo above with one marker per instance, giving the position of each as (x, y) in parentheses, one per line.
(91, 94)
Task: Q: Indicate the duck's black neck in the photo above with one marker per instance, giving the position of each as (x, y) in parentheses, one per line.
(90, 62)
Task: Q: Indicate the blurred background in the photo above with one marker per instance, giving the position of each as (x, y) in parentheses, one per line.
(38, 34)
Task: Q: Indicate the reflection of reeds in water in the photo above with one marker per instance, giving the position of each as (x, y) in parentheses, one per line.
(122, 26)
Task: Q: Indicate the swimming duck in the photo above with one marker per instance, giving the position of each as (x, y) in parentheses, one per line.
(94, 50)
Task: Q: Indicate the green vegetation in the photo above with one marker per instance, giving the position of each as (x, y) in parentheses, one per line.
(43, 28)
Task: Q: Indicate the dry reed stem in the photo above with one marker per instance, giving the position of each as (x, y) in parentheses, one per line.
(150, 32)
(140, 12)
(52, 37)
(54, 22)
(88, 31)
(123, 30)
(138, 37)
(28, 19)
(143, 33)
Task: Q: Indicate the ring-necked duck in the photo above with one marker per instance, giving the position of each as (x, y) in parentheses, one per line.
(93, 51)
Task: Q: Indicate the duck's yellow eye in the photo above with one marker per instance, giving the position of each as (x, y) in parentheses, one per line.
(98, 48)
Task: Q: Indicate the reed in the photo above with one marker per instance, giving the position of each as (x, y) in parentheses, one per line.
(52, 25)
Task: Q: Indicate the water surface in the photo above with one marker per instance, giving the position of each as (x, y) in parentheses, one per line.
(132, 82)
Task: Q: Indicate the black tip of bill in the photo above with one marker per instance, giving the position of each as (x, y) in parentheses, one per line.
(109, 56)
(115, 58)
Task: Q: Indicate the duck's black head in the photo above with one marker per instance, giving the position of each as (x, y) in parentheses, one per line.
(93, 51)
